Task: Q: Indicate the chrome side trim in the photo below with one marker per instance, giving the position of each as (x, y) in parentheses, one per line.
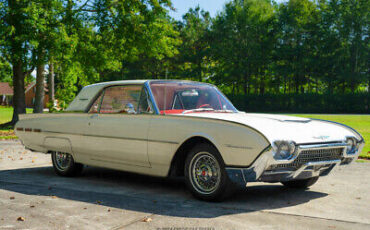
(113, 137)
(238, 147)
(119, 162)
(168, 142)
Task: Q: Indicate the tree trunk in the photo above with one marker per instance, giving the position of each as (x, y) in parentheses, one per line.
(51, 83)
(233, 89)
(245, 84)
(200, 71)
(285, 85)
(262, 86)
(19, 101)
(40, 89)
(330, 86)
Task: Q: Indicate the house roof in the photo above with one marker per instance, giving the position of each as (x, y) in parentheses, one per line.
(5, 89)
(29, 86)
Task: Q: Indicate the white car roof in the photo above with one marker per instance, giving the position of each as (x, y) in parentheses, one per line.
(83, 99)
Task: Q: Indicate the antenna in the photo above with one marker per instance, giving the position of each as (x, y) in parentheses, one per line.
(165, 93)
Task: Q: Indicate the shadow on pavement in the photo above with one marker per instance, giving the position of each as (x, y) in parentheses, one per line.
(147, 194)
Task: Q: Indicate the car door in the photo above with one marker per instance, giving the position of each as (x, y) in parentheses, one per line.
(117, 132)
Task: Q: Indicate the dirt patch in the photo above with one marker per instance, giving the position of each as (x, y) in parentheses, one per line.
(7, 133)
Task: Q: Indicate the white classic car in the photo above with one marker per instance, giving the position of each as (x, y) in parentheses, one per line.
(183, 128)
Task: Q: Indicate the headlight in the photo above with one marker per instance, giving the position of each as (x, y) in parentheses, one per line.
(351, 145)
(284, 150)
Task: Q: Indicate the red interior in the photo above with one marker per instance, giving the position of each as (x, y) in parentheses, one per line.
(172, 111)
(159, 90)
(167, 90)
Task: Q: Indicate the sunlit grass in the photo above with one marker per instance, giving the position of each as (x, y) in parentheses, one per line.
(6, 114)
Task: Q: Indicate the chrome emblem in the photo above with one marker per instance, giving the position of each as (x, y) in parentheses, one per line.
(321, 137)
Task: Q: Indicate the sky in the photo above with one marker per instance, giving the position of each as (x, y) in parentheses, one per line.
(182, 6)
(212, 6)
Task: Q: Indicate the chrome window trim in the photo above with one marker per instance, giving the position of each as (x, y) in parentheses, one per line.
(151, 97)
(150, 103)
(147, 84)
(102, 92)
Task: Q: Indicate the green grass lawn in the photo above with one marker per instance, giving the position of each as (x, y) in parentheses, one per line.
(359, 122)
(6, 114)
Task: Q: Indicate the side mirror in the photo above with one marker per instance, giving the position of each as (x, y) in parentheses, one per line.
(129, 108)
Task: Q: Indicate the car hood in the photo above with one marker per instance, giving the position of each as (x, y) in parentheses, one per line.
(281, 127)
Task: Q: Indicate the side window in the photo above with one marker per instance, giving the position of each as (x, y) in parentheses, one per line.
(120, 99)
(145, 105)
(95, 106)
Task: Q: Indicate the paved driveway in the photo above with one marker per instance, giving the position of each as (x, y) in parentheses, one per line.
(106, 199)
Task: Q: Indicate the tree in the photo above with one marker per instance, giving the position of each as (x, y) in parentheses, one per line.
(194, 33)
(298, 21)
(140, 36)
(353, 30)
(48, 34)
(242, 42)
(16, 34)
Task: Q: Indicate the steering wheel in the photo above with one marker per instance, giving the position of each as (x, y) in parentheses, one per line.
(205, 106)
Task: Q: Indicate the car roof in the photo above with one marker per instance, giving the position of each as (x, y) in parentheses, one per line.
(108, 83)
(89, 92)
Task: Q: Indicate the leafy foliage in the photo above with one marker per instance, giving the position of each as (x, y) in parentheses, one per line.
(5, 70)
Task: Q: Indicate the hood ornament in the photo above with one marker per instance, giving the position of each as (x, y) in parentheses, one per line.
(321, 137)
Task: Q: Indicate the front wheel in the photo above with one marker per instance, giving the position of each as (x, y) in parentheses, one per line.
(205, 174)
(64, 164)
(301, 184)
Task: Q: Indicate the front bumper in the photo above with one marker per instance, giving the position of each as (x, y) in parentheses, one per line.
(268, 169)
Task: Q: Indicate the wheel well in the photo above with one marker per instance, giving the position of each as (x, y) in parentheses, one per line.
(178, 161)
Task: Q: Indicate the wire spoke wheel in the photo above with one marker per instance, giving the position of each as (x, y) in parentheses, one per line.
(62, 160)
(65, 165)
(205, 173)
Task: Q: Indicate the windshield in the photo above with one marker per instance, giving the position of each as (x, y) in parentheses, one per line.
(183, 97)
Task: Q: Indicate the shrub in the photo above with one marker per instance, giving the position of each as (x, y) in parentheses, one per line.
(303, 103)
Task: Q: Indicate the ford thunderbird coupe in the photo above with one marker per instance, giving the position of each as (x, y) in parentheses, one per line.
(186, 129)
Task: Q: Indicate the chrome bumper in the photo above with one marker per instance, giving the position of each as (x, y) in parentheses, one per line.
(263, 169)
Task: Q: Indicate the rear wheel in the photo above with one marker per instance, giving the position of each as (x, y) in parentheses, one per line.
(205, 174)
(302, 184)
(64, 164)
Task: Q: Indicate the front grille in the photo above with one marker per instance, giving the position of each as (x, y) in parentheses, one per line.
(313, 155)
